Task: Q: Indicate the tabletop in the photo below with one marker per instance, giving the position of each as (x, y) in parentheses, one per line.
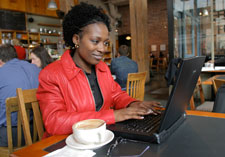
(217, 69)
(190, 129)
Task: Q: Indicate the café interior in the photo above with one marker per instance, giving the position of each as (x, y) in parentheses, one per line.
(158, 32)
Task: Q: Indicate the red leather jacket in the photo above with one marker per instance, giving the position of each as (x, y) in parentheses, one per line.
(65, 96)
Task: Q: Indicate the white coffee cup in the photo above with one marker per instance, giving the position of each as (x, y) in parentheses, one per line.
(91, 131)
(210, 65)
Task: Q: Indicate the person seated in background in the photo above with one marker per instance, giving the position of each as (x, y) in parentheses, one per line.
(220, 61)
(40, 57)
(161, 55)
(14, 73)
(122, 65)
(80, 85)
(21, 52)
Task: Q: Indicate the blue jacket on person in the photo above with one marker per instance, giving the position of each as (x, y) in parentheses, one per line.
(15, 74)
(120, 67)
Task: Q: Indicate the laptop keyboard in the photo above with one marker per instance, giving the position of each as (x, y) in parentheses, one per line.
(145, 125)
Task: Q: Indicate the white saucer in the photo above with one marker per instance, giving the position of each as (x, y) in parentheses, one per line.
(70, 141)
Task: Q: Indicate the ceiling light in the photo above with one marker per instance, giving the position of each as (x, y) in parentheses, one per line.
(52, 5)
(128, 38)
(205, 12)
(31, 46)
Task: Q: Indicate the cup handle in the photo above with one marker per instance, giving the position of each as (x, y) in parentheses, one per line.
(100, 137)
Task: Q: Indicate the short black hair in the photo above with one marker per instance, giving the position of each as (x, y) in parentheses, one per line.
(43, 55)
(80, 16)
(7, 52)
(124, 50)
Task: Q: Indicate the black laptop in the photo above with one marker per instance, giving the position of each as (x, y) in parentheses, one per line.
(156, 128)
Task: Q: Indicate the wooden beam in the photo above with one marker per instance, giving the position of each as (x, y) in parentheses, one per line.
(139, 34)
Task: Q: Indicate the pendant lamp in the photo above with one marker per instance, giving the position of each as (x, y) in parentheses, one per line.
(52, 5)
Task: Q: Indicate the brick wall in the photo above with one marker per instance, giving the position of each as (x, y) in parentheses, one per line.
(157, 23)
(125, 18)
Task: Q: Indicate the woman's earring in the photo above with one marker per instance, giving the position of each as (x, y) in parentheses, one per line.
(76, 46)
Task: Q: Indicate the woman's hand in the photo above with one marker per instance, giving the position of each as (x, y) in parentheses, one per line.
(137, 110)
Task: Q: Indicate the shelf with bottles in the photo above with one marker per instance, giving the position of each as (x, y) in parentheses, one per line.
(49, 40)
(49, 34)
(21, 35)
(48, 30)
(6, 36)
(34, 36)
(34, 39)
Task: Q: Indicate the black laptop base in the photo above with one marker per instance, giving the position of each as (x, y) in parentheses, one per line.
(151, 137)
(163, 135)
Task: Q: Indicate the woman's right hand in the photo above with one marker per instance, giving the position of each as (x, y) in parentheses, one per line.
(131, 112)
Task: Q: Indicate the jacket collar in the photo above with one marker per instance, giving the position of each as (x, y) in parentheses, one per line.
(70, 67)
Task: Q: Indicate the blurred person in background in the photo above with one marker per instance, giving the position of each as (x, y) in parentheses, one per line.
(122, 66)
(21, 52)
(40, 57)
(14, 73)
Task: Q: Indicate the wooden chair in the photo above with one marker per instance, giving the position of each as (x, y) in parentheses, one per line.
(154, 65)
(205, 105)
(26, 97)
(162, 63)
(12, 106)
(217, 83)
(136, 85)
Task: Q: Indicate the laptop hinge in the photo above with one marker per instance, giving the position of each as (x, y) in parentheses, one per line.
(163, 135)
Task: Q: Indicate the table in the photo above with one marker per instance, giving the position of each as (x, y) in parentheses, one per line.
(212, 70)
(197, 136)
(207, 75)
(217, 69)
(209, 81)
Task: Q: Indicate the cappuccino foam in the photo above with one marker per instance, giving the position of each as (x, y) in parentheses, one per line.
(89, 125)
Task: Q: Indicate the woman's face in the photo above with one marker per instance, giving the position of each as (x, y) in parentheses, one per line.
(35, 60)
(93, 44)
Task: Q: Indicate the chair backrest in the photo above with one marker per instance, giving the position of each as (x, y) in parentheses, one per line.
(219, 106)
(12, 106)
(25, 97)
(217, 83)
(153, 63)
(201, 93)
(162, 62)
(136, 85)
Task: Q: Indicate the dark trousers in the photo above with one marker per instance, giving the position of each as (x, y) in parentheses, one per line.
(4, 137)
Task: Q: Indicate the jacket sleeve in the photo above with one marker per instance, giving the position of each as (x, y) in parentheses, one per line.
(58, 116)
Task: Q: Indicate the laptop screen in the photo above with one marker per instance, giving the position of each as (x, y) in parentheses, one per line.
(186, 79)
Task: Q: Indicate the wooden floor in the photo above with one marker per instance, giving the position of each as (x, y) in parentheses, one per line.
(157, 88)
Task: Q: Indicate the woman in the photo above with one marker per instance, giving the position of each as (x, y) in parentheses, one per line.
(40, 57)
(80, 86)
(21, 52)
